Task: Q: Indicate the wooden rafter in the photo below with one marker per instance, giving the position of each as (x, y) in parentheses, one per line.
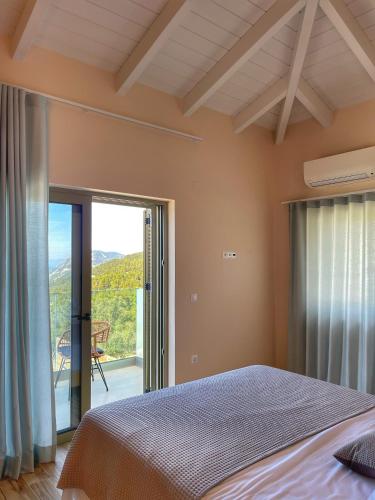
(155, 37)
(28, 27)
(276, 93)
(314, 104)
(348, 27)
(296, 69)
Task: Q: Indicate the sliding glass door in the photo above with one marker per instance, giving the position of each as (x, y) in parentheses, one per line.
(107, 286)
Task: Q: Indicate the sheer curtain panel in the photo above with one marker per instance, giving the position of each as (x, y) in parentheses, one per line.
(332, 293)
(27, 419)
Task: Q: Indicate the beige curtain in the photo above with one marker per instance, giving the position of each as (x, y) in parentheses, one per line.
(332, 293)
(27, 418)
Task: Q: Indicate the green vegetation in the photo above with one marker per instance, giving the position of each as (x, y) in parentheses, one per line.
(114, 285)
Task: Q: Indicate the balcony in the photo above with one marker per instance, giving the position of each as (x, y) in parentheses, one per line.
(122, 360)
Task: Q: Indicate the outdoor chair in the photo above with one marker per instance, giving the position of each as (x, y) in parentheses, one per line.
(64, 350)
(99, 335)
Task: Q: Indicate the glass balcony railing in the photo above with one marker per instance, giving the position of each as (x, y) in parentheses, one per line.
(122, 308)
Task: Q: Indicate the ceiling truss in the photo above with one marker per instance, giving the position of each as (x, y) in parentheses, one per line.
(295, 86)
(284, 90)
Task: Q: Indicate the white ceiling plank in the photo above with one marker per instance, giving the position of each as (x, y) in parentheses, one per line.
(68, 49)
(197, 43)
(221, 17)
(153, 40)
(127, 9)
(313, 103)
(153, 5)
(225, 103)
(188, 55)
(28, 27)
(101, 16)
(253, 70)
(260, 105)
(242, 51)
(94, 32)
(321, 26)
(352, 33)
(271, 64)
(323, 40)
(334, 49)
(214, 33)
(331, 64)
(239, 92)
(243, 9)
(278, 50)
(297, 65)
(367, 19)
(96, 49)
(263, 4)
(359, 7)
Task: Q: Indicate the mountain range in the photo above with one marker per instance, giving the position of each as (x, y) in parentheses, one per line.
(62, 267)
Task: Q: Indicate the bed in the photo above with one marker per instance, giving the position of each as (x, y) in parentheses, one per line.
(257, 432)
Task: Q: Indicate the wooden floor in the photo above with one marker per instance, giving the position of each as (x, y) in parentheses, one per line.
(39, 485)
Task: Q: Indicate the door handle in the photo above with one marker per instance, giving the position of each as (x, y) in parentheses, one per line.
(84, 317)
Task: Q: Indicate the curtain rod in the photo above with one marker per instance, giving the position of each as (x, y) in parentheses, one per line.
(337, 195)
(103, 112)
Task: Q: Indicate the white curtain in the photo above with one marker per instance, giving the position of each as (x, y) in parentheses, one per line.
(27, 418)
(332, 304)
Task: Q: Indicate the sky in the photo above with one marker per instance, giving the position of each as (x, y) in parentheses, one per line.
(59, 231)
(115, 228)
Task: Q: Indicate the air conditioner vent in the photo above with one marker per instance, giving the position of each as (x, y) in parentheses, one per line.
(338, 180)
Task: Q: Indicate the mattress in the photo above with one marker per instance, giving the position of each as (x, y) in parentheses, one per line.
(304, 470)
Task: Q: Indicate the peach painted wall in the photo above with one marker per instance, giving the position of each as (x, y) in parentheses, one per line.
(219, 187)
(353, 128)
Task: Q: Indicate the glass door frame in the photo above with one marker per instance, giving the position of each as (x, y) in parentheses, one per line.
(156, 348)
(81, 250)
(156, 373)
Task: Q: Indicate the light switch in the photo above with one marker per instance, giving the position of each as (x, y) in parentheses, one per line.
(229, 254)
(194, 297)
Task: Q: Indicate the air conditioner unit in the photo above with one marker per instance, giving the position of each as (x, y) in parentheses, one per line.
(354, 166)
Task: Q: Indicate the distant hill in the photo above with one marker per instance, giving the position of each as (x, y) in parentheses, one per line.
(126, 272)
(122, 272)
(98, 256)
(61, 269)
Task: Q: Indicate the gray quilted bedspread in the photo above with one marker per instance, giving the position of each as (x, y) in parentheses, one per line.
(182, 441)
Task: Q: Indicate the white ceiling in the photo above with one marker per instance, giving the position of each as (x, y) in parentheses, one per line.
(103, 32)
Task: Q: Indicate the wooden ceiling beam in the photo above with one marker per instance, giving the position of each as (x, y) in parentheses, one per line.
(28, 27)
(350, 30)
(154, 39)
(276, 93)
(257, 108)
(314, 104)
(252, 41)
(296, 68)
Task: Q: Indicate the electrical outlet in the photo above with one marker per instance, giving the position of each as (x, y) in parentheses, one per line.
(194, 359)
